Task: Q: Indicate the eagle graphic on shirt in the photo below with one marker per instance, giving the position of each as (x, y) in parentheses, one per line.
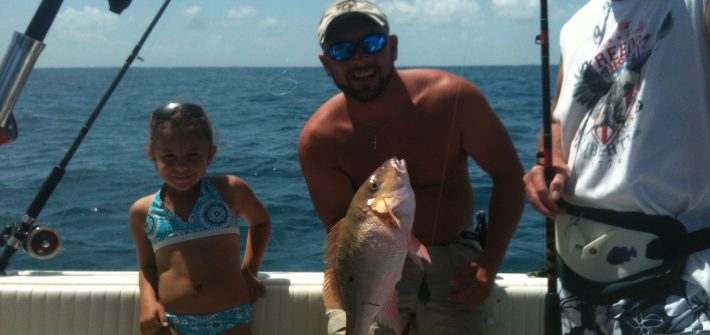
(609, 91)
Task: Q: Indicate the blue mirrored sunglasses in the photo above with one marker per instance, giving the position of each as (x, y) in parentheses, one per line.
(342, 51)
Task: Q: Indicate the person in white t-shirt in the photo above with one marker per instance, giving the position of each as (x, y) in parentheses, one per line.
(631, 133)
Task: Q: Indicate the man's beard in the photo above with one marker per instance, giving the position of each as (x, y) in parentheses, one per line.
(368, 94)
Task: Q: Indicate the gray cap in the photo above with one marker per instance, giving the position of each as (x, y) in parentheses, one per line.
(345, 8)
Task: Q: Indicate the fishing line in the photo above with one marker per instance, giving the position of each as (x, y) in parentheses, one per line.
(146, 51)
(446, 165)
(290, 84)
(18, 235)
(157, 32)
(424, 292)
(449, 144)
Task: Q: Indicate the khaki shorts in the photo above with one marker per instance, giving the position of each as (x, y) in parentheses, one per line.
(437, 316)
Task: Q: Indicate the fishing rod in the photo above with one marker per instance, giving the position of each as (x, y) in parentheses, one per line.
(20, 59)
(39, 241)
(552, 320)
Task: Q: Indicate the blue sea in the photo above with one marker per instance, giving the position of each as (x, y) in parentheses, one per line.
(257, 114)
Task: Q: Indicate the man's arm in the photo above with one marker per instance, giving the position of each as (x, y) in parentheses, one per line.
(486, 140)
(330, 189)
(541, 198)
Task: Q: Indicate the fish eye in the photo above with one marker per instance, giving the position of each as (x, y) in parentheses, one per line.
(373, 185)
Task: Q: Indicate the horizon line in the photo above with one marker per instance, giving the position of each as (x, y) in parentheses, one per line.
(272, 66)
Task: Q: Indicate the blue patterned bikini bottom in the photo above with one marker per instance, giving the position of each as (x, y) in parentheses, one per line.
(212, 323)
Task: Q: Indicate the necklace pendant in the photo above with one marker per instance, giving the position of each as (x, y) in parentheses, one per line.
(374, 143)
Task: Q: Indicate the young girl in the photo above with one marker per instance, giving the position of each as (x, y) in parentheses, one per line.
(187, 237)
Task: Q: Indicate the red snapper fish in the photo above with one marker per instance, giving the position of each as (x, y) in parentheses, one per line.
(366, 250)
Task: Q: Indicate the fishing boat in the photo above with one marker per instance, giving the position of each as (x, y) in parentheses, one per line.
(91, 303)
(107, 302)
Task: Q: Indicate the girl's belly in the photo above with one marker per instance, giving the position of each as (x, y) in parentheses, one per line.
(201, 275)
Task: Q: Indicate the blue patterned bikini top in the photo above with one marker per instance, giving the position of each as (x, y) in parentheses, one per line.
(211, 216)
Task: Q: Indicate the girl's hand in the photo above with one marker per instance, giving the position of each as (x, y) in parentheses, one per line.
(152, 319)
(255, 286)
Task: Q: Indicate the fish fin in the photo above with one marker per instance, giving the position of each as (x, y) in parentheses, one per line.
(389, 315)
(331, 242)
(417, 251)
(392, 218)
(378, 206)
(331, 292)
(393, 221)
(383, 210)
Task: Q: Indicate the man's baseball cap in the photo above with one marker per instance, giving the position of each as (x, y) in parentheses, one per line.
(348, 8)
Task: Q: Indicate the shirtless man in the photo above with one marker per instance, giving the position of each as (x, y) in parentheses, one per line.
(435, 121)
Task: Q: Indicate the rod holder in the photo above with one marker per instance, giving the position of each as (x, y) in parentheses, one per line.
(16, 67)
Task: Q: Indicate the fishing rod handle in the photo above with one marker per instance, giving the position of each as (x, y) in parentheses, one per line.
(43, 18)
(553, 323)
(45, 192)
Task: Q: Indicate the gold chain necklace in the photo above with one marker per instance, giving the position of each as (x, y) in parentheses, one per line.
(374, 135)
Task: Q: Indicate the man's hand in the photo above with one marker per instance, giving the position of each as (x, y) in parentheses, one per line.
(541, 198)
(472, 285)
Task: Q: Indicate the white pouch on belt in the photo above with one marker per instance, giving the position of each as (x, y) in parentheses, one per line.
(604, 255)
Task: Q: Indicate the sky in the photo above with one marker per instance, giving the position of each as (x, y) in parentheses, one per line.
(198, 33)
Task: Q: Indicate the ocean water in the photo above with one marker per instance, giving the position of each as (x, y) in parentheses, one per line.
(257, 115)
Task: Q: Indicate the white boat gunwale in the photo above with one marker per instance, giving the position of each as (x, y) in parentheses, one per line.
(106, 302)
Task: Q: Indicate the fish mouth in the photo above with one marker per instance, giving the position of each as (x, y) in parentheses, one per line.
(399, 164)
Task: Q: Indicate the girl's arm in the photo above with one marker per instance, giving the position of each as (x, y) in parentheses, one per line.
(152, 315)
(244, 203)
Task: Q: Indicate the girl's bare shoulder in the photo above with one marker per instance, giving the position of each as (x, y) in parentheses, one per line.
(231, 187)
(142, 205)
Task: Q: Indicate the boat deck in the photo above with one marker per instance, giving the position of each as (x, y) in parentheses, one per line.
(78, 303)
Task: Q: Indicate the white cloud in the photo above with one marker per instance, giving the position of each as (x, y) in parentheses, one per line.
(215, 41)
(518, 9)
(192, 11)
(432, 12)
(241, 12)
(270, 22)
(86, 23)
(194, 17)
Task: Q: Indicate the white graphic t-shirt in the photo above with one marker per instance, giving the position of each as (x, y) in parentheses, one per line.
(635, 111)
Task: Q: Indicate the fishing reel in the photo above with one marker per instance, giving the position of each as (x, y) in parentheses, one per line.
(40, 242)
(117, 6)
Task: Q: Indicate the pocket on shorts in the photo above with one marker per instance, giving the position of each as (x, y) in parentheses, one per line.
(469, 240)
